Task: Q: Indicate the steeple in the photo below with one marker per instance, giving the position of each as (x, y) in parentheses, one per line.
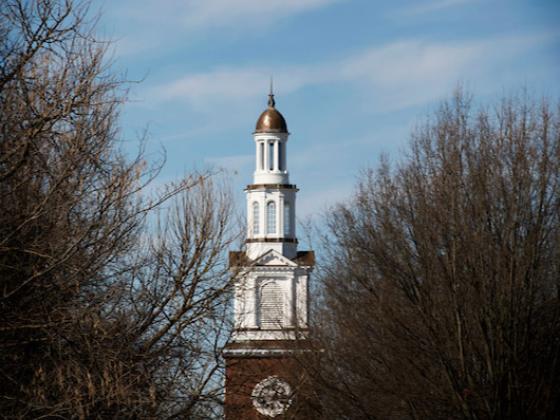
(271, 102)
(270, 310)
(271, 197)
(271, 240)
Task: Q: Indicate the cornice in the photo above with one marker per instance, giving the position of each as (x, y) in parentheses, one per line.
(271, 240)
(252, 187)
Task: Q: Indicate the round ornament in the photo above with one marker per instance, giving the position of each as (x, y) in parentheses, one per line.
(272, 396)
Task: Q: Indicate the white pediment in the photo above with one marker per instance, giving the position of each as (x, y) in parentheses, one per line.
(274, 258)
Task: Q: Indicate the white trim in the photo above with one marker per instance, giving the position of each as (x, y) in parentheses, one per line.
(263, 335)
(285, 262)
(257, 352)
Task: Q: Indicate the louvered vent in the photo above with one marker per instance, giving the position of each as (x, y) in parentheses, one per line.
(271, 306)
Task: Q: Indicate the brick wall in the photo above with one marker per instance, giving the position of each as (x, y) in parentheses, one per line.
(243, 373)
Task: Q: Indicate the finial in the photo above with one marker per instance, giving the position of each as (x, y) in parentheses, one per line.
(271, 102)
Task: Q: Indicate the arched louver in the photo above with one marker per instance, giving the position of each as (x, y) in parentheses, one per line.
(271, 303)
(271, 217)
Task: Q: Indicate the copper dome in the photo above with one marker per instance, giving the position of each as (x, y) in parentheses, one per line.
(271, 121)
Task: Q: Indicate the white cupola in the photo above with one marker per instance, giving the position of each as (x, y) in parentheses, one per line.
(271, 198)
(271, 138)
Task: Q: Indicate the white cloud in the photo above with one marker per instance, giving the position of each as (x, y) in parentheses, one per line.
(399, 74)
(420, 8)
(235, 163)
(155, 17)
(224, 85)
(215, 13)
(411, 72)
(214, 85)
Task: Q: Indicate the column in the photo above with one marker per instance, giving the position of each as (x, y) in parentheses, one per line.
(288, 310)
(301, 300)
(281, 156)
(276, 163)
(281, 215)
(266, 155)
(251, 300)
(258, 154)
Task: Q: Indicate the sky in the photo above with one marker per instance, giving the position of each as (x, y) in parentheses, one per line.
(351, 77)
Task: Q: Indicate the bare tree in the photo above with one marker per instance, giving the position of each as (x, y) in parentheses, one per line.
(102, 313)
(181, 295)
(441, 292)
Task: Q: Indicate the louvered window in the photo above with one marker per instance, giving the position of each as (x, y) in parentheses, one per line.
(271, 303)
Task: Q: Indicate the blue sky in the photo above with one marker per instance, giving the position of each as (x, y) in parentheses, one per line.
(352, 77)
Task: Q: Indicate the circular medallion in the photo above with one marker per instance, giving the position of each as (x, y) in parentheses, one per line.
(272, 396)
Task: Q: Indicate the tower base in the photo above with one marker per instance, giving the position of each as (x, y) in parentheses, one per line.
(266, 380)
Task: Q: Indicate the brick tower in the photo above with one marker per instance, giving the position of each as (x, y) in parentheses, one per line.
(263, 377)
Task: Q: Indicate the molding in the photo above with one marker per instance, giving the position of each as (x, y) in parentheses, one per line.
(271, 240)
(272, 132)
(252, 187)
(261, 352)
(275, 268)
(304, 330)
(246, 272)
(296, 270)
(279, 335)
(273, 258)
(256, 352)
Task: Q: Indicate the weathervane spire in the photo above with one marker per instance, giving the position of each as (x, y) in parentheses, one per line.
(271, 102)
